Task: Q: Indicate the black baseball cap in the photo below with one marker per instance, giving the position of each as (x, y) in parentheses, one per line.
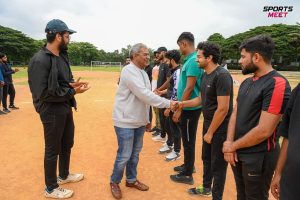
(57, 26)
(160, 49)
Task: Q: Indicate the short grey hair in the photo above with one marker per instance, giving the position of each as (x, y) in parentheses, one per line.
(136, 49)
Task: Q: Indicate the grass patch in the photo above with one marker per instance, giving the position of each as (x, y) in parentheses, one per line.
(23, 70)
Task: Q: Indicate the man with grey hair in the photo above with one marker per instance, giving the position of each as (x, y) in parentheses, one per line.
(130, 116)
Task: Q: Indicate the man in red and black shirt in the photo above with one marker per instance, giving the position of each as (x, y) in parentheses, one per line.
(252, 145)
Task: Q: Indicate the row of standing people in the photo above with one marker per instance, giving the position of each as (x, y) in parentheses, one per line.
(250, 144)
(6, 85)
(245, 136)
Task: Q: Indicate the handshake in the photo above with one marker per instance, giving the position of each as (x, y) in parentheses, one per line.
(176, 108)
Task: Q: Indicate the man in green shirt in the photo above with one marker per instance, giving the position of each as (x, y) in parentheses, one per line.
(188, 88)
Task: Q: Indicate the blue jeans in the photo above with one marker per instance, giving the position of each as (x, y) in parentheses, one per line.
(130, 141)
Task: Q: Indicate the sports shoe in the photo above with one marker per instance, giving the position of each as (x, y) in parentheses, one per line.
(165, 148)
(2, 113)
(155, 133)
(201, 191)
(59, 193)
(182, 178)
(173, 156)
(70, 179)
(158, 138)
(13, 107)
(180, 168)
(154, 129)
(6, 110)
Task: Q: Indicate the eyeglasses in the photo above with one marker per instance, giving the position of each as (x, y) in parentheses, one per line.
(65, 36)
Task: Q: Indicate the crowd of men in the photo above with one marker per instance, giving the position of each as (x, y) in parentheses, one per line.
(6, 85)
(244, 133)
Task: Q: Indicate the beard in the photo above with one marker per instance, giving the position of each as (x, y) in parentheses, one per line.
(250, 68)
(63, 46)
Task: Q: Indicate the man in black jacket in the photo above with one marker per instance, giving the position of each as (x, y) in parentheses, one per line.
(53, 90)
(8, 88)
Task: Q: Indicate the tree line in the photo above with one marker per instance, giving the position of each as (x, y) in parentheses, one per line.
(21, 48)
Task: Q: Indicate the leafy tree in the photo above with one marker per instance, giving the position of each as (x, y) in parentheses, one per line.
(16, 45)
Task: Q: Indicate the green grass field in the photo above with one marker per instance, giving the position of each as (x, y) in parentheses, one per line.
(293, 77)
(23, 70)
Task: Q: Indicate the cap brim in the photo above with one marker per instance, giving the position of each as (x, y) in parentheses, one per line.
(71, 31)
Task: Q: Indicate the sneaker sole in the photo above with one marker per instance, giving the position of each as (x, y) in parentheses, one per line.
(163, 141)
(202, 195)
(188, 183)
(173, 159)
(61, 183)
(163, 152)
(49, 196)
(194, 171)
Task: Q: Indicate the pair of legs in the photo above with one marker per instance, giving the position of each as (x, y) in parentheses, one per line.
(214, 165)
(130, 142)
(8, 89)
(175, 134)
(253, 174)
(59, 139)
(188, 125)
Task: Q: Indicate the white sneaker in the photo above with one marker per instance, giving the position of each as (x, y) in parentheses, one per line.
(158, 138)
(59, 193)
(173, 156)
(165, 148)
(70, 179)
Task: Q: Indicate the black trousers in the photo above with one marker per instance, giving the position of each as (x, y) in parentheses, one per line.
(164, 125)
(4, 96)
(59, 139)
(175, 134)
(188, 125)
(1, 94)
(12, 94)
(150, 114)
(8, 89)
(214, 165)
(253, 174)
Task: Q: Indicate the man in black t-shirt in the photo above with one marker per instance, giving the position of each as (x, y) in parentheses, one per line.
(164, 75)
(285, 184)
(252, 145)
(216, 98)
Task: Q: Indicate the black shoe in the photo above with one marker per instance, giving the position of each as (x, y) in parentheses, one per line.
(154, 129)
(2, 113)
(13, 107)
(200, 191)
(181, 178)
(156, 133)
(6, 110)
(180, 168)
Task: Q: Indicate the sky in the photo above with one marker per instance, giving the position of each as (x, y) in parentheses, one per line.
(113, 24)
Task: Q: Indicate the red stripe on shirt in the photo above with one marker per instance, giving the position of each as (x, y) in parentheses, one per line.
(277, 96)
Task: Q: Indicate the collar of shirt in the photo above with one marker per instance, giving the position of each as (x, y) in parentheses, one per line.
(188, 57)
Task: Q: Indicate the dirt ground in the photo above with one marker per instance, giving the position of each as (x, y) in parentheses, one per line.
(22, 149)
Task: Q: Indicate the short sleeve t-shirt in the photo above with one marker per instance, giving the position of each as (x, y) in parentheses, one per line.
(163, 73)
(290, 128)
(268, 93)
(172, 89)
(190, 68)
(217, 83)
